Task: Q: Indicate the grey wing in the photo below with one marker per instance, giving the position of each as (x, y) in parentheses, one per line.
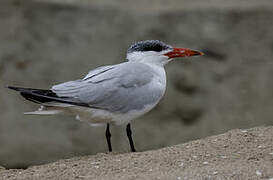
(118, 88)
(75, 88)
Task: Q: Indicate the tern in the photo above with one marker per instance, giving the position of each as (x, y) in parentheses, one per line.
(114, 94)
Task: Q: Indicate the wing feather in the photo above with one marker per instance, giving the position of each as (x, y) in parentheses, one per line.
(112, 88)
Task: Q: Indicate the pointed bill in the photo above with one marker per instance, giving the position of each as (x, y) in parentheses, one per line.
(183, 52)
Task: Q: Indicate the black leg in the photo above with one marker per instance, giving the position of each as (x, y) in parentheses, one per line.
(129, 134)
(108, 137)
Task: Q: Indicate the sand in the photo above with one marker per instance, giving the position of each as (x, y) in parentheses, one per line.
(237, 154)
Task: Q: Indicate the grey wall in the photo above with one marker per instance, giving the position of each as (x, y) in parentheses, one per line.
(44, 42)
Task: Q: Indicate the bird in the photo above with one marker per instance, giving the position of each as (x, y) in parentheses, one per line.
(112, 94)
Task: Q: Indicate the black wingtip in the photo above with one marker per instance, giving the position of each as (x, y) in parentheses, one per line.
(12, 87)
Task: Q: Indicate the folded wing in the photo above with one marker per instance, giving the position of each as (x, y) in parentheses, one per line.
(118, 88)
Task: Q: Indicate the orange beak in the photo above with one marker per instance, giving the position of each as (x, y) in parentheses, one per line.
(183, 52)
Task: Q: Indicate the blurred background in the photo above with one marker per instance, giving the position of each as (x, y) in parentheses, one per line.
(44, 42)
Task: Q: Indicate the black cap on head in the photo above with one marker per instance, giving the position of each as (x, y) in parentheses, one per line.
(149, 45)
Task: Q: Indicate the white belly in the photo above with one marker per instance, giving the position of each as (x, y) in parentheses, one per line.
(97, 116)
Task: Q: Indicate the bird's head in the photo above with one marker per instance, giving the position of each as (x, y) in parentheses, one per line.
(157, 52)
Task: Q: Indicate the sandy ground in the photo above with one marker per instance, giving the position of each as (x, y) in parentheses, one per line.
(237, 154)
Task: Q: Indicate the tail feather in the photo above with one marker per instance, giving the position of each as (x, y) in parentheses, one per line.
(44, 112)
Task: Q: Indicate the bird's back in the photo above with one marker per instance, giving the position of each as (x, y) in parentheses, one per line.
(122, 88)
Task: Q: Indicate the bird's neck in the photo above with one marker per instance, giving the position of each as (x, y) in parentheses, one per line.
(158, 70)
